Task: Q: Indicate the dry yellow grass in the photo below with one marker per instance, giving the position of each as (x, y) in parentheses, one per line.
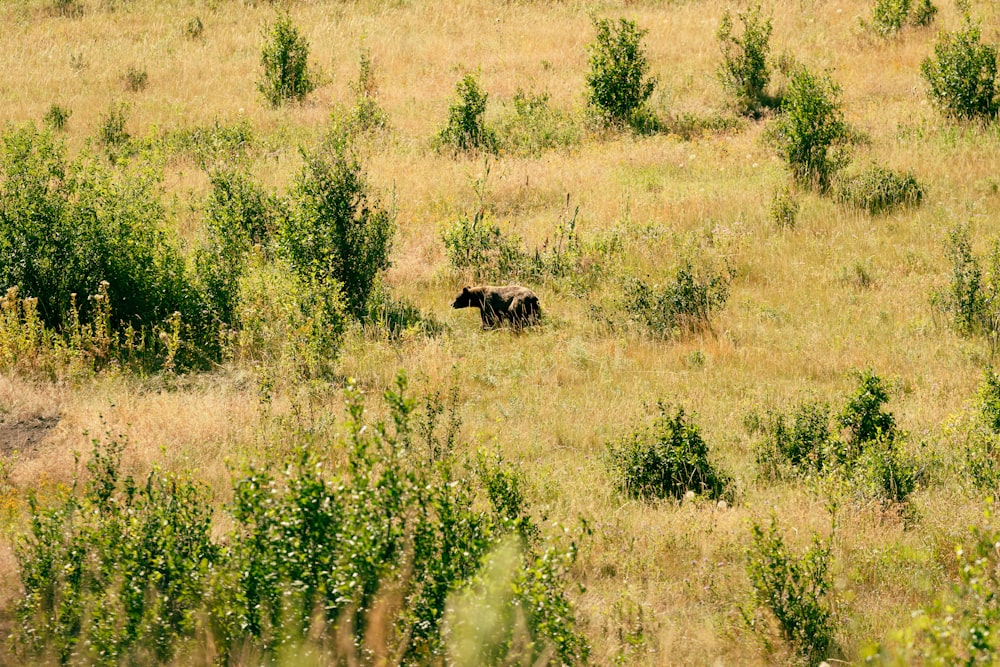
(797, 321)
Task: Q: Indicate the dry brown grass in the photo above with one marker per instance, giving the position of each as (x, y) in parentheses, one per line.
(551, 399)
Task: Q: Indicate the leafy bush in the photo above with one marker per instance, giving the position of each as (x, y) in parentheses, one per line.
(879, 190)
(336, 231)
(744, 70)
(784, 209)
(480, 250)
(239, 216)
(112, 133)
(665, 460)
(863, 417)
(116, 574)
(374, 552)
(959, 627)
(617, 83)
(794, 589)
(982, 448)
(810, 134)
(367, 115)
(213, 145)
(684, 306)
(289, 325)
(397, 318)
(466, 129)
(890, 16)
(67, 227)
(284, 61)
(194, 28)
(972, 298)
(135, 79)
(534, 126)
(923, 13)
(801, 442)
(56, 117)
(961, 76)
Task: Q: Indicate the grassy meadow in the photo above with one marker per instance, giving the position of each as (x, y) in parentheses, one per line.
(654, 582)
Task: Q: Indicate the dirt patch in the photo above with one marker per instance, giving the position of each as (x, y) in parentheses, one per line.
(24, 435)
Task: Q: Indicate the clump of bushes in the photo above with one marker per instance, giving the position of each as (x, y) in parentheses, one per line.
(666, 460)
(878, 190)
(793, 589)
(466, 129)
(284, 59)
(784, 209)
(745, 71)
(685, 305)
(961, 75)
(118, 570)
(867, 453)
(810, 133)
(66, 227)
(891, 16)
(982, 447)
(336, 231)
(617, 82)
(56, 117)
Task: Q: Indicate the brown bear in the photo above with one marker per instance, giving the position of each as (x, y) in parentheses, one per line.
(512, 303)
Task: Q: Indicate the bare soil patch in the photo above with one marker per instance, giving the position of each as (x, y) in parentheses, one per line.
(24, 435)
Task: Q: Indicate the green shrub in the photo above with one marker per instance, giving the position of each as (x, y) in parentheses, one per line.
(534, 126)
(665, 460)
(794, 589)
(744, 70)
(284, 60)
(478, 249)
(889, 16)
(982, 447)
(289, 325)
(397, 318)
(239, 216)
(800, 443)
(878, 190)
(784, 209)
(336, 231)
(863, 417)
(684, 306)
(959, 627)
(112, 133)
(466, 129)
(617, 84)
(810, 134)
(215, 144)
(961, 76)
(972, 298)
(67, 227)
(194, 28)
(923, 13)
(367, 115)
(135, 79)
(56, 117)
(116, 574)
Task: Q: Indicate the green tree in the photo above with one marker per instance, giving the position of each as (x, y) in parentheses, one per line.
(617, 82)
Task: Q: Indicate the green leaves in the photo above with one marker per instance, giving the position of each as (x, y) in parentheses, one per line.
(961, 76)
(617, 83)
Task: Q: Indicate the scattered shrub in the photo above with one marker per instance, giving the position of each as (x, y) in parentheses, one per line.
(213, 145)
(794, 589)
(961, 76)
(810, 134)
(800, 444)
(397, 318)
(982, 447)
(67, 8)
(784, 209)
(889, 17)
(466, 129)
(665, 460)
(744, 70)
(684, 306)
(194, 29)
(56, 117)
(480, 250)
(336, 230)
(135, 79)
(534, 126)
(367, 115)
(285, 75)
(112, 133)
(878, 190)
(863, 417)
(617, 83)
(972, 298)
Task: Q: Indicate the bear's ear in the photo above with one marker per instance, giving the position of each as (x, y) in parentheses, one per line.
(465, 290)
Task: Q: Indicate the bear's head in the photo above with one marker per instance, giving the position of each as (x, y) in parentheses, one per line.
(466, 299)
